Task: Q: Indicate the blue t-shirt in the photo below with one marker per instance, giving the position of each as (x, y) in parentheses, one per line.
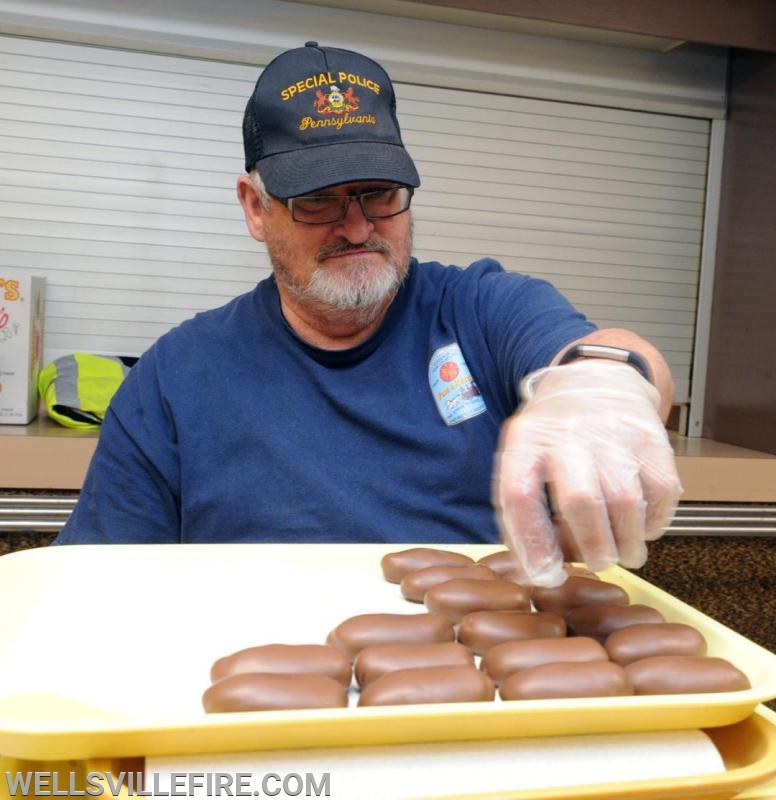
(230, 428)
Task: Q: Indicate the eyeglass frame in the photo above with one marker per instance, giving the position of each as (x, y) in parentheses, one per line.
(347, 199)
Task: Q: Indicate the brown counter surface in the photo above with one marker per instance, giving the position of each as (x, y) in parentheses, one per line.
(45, 455)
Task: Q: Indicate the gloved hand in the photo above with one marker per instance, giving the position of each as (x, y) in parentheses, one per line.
(590, 442)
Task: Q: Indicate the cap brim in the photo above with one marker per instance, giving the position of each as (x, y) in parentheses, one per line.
(304, 171)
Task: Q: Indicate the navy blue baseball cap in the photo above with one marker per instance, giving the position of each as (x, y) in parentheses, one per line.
(321, 116)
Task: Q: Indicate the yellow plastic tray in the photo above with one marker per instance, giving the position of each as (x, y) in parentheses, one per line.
(748, 750)
(105, 652)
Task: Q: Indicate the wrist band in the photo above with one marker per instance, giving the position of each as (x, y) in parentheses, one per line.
(638, 362)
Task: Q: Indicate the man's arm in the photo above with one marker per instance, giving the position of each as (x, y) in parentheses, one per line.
(130, 492)
(123, 499)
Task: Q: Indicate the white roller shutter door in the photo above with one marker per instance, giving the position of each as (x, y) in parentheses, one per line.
(117, 174)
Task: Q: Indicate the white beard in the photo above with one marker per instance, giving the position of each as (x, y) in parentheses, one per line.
(354, 289)
(360, 286)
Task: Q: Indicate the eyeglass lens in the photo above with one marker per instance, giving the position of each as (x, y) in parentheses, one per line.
(376, 204)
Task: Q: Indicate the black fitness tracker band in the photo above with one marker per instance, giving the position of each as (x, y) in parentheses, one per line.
(620, 354)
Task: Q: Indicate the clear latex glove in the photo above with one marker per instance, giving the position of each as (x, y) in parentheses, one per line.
(590, 442)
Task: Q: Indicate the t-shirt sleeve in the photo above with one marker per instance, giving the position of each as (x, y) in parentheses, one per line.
(526, 322)
(131, 490)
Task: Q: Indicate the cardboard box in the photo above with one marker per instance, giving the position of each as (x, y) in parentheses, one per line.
(22, 299)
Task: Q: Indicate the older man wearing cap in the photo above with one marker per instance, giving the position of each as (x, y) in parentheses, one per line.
(358, 395)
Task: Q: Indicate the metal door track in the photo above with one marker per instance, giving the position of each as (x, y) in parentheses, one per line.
(50, 512)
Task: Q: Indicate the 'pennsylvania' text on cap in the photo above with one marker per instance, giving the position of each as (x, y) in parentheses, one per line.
(321, 116)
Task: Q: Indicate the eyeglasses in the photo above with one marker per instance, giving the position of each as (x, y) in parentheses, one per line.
(325, 209)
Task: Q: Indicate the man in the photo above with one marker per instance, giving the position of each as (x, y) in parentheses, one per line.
(358, 395)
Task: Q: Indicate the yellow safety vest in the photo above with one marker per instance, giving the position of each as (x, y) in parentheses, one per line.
(77, 389)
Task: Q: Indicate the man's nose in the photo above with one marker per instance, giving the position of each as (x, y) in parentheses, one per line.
(354, 225)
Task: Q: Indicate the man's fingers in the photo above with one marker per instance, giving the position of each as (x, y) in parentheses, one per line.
(524, 520)
(609, 496)
(533, 543)
(580, 506)
(627, 512)
(662, 489)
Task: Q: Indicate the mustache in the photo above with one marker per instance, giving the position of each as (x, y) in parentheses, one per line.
(374, 243)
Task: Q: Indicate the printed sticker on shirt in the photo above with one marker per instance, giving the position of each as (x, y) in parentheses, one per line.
(455, 392)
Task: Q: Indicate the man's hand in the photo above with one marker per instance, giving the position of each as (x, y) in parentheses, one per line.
(584, 467)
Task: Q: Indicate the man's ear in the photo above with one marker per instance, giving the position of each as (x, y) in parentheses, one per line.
(254, 212)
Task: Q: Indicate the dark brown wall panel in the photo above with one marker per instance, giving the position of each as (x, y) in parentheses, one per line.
(729, 23)
(741, 384)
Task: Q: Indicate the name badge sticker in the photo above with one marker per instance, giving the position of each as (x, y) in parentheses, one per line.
(455, 392)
